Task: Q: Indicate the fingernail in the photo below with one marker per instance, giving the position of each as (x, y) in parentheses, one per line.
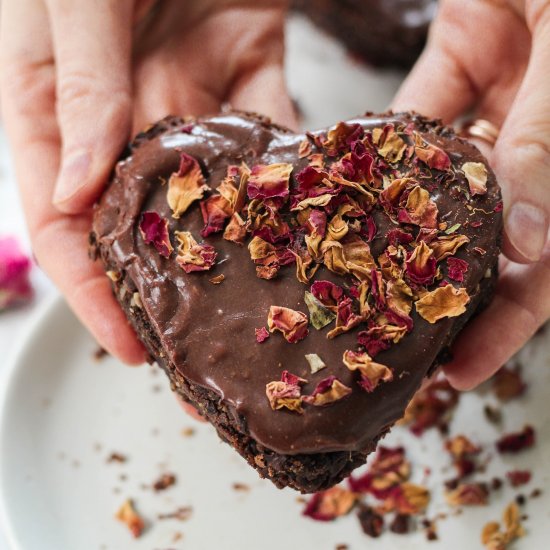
(72, 176)
(527, 230)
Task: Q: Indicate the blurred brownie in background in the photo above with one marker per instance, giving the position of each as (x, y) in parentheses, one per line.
(383, 32)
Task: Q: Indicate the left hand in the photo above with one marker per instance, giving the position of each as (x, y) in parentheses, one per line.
(493, 56)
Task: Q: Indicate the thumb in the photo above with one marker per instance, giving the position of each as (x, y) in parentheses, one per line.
(521, 158)
(92, 50)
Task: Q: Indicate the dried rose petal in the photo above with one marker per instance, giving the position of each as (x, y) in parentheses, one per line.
(468, 494)
(293, 324)
(516, 442)
(431, 155)
(315, 362)
(431, 406)
(216, 210)
(447, 245)
(408, 499)
(476, 174)
(286, 393)
(330, 504)
(192, 256)
(446, 301)
(457, 268)
(340, 138)
(127, 514)
(460, 446)
(389, 469)
(327, 293)
(268, 181)
(327, 391)
(261, 335)
(346, 318)
(319, 315)
(235, 230)
(390, 145)
(419, 209)
(15, 267)
(518, 477)
(421, 265)
(185, 186)
(154, 230)
(371, 373)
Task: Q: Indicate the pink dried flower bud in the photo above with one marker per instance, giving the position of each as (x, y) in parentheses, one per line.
(15, 267)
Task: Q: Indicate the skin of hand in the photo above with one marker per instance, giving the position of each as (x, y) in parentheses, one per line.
(493, 58)
(78, 77)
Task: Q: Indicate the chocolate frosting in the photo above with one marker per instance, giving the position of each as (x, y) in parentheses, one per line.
(208, 331)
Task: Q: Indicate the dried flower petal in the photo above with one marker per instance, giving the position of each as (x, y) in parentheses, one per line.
(327, 391)
(127, 514)
(15, 287)
(518, 477)
(419, 209)
(154, 230)
(516, 442)
(445, 301)
(192, 256)
(285, 393)
(421, 265)
(431, 155)
(468, 494)
(268, 181)
(371, 373)
(457, 268)
(319, 315)
(216, 210)
(185, 186)
(218, 279)
(476, 174)
(460, 446)
(235, 230)
(330, 504)
(447, 246)
(346, 318)
(293, 324)
(328, 294)
(408, 499)
(261, 335)
(315, 362)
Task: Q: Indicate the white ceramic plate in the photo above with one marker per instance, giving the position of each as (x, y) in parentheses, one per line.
(62, 415)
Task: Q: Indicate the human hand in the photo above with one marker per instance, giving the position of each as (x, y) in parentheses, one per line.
(493, 56)
(79, 76)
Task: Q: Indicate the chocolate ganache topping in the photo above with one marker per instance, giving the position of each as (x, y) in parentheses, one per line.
(309, 280)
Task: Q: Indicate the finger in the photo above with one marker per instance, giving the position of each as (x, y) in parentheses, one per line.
(522, 155)
(92, 47)
(60, 242)
(521, 305)
(163, 89)
(439, 85)
(264, 91)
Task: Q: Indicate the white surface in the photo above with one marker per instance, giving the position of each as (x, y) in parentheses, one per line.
(65, 413)
(58, 489)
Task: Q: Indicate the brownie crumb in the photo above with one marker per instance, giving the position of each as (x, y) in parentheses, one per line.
(116, 457)
(99, 354)
(182, 514)
(371, 521)
(164, 482)
(535, 493)
(493, 414)
(241, 487)
(188, 432)
(401, 524)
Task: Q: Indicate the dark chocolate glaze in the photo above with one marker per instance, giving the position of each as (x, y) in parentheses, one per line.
(207, 331)
(384, 32)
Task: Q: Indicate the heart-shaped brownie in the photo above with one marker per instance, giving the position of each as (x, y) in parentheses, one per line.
(296, 288)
